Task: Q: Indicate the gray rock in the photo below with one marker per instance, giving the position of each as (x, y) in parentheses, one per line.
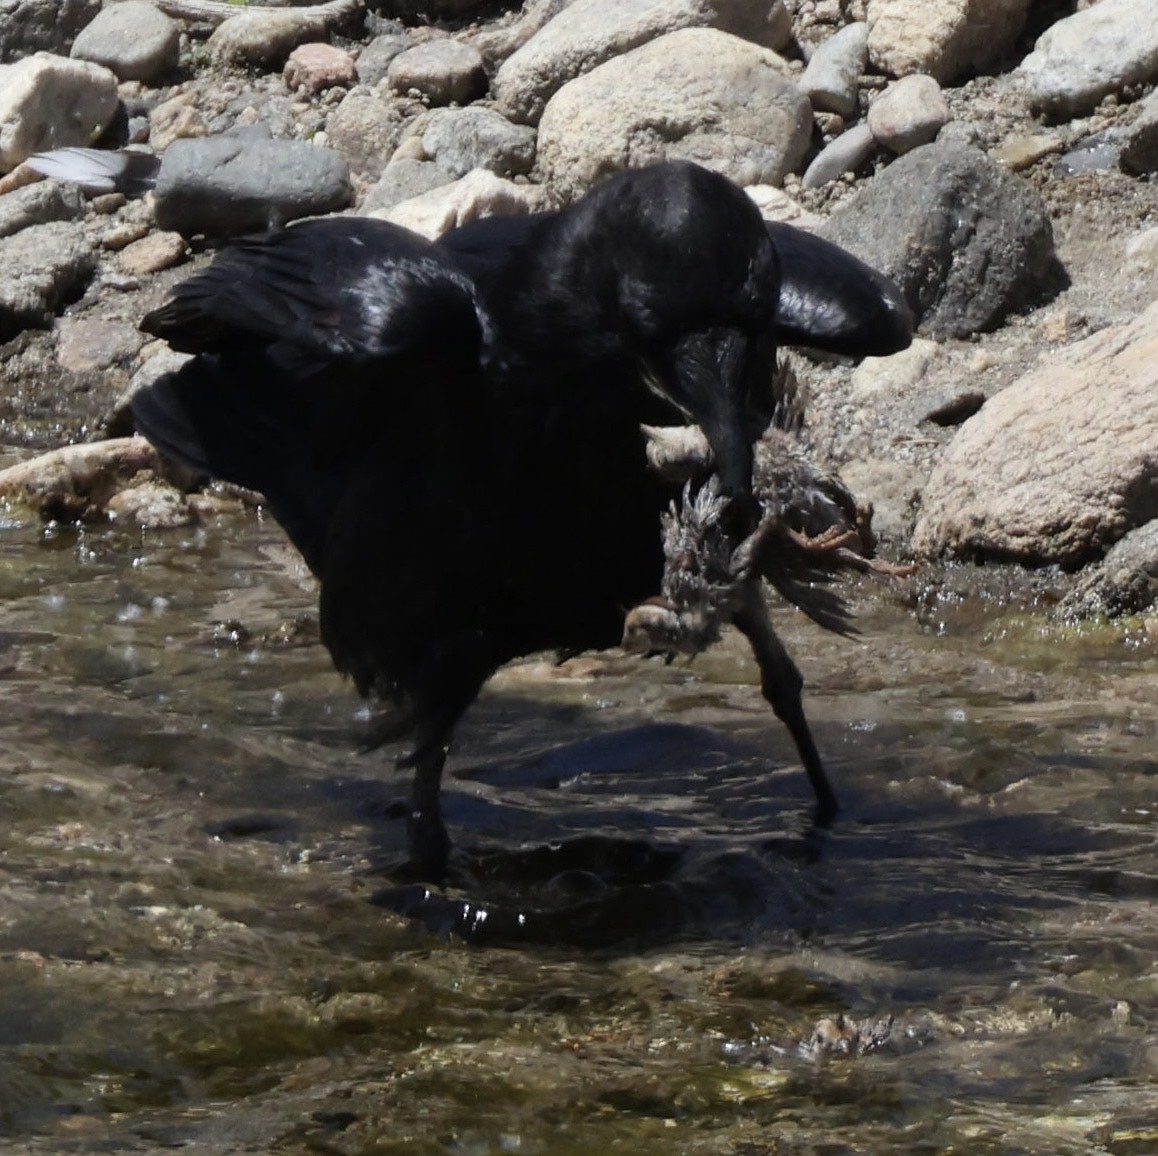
(38, 204)
(365, 129)
(845, 154)
(132, 39)
(1099, 50)
(832, 78)
(439, 71)
(461, 139)
(968, 242)
(589, 32)
(910, 112)
(403, 180)
(226, 185)
(1140, 140)
(28, 26)
(49, 102)
(1060, 465)
(42, 268)
(946, 39)
(374, 60)
(84, 344)
(1124, 582)
(696, 94)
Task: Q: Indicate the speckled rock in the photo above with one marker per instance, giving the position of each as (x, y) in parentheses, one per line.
(587, 33)
(404, 179)
(945, 39)
(28, 26)
(374, 60)
(1076, 61)
(1060, 465)
(461, 139)
(317, 66)
(365, 129)
(696, 94)
(260, 39)
(39, 203)
(51, 102)
(1124, 582)
(42, 268)
(439, 72)
(132, 39)
(967, 241)
(1140, 144)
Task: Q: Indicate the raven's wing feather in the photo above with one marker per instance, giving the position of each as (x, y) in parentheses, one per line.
(342, 287)
(312, 345)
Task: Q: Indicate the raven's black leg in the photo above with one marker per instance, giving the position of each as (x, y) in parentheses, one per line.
(781, 684)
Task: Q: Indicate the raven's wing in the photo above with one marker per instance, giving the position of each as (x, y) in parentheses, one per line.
(309, 343)
(833, 301)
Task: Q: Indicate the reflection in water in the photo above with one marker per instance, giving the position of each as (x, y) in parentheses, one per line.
(200, 938)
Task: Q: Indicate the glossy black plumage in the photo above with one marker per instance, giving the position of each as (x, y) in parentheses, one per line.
(451, 435)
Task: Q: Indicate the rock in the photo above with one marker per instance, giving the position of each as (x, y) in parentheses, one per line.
(910, 112)
(439, 72)
(1020, 152)
(696, 94)
(227, 185)
(364, 129)
(1098, 50)
(83, 345)
(1124, 582)
(479, 194)
(132, 39)
(42, 268)
(151, 254)
(28, 26)
(315, 67)
(39, 203)
(151, 504)
(1142, 252)
(262, 39)
(894, 490)
(589, 32)
(50, 102)
(832, 78)
(404, 179)
(947, 39)
(776, 205)
(374, 60)
(174, 119)
(461, 139)
(1140, 141)
(968, 242)
(504, 38)
(845, 154)
(1060, 465)
(77, 481)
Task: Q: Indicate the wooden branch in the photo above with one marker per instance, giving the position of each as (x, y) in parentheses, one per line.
(218, 11)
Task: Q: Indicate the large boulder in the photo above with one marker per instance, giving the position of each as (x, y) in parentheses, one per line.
(696, 94)
(946, 39)
(967, 241)
(51, 102)
(1060, 465)
(1099, 50)
(587, 33)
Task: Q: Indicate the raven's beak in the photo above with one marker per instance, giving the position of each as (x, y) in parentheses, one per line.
(721, 378)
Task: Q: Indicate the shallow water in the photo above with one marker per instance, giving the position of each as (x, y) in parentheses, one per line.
(201, 944)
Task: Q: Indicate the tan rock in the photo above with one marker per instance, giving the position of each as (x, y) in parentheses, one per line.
(1060, 465)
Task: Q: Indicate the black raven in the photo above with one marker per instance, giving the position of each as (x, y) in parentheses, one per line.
(450, 433)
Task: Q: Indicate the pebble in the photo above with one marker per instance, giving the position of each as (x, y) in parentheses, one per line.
(910, 112)
(315, 67)
(831, 80)
(153, 253)
(846, 154)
